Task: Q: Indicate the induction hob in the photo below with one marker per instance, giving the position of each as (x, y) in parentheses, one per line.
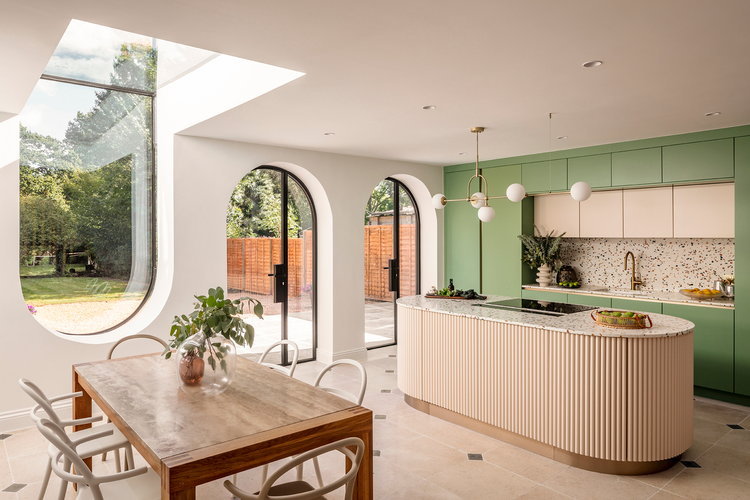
(537, 306)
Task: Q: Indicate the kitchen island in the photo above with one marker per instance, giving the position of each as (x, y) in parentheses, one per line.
(604, 399)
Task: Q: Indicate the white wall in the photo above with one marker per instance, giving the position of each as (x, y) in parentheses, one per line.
(193, 251)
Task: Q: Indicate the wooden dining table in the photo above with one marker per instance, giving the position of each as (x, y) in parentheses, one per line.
(191, 439)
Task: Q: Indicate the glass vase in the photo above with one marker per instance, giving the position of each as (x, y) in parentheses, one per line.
(205, 365)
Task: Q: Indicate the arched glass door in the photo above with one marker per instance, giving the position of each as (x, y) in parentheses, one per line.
(271, 257)
(391, 258)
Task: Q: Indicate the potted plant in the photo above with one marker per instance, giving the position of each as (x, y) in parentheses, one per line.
(541, 253)
(209, 334)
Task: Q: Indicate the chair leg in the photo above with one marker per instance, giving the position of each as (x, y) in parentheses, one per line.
(63, 483)
(104, 456)
(300, 472)
(129, 462)
(317, 472)
(264, 476)
(118, 466)
(45, 481)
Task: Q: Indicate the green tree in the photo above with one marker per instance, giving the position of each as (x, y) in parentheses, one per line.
(381, 200)
(255, 207)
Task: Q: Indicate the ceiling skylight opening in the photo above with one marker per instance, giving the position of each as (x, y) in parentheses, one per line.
(592, 64)
(713, 113)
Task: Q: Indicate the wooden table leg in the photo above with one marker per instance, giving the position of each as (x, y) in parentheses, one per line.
(81, 408)
(169, 491)
(363, 488)
(188, 494)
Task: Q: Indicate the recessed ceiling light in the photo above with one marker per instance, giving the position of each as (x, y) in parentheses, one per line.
(462, 153)
(592, 64)
(561, 137)
(429, 107)
(713, 113)
(329, 133)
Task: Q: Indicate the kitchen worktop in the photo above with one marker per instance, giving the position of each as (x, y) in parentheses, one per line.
(576, 323)
(647, 295)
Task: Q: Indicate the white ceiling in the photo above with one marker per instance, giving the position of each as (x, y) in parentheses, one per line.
(371, 66)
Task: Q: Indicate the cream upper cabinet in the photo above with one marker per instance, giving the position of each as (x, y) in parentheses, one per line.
(601, 215)
(647, 213)
(704, 211)
(556, 212)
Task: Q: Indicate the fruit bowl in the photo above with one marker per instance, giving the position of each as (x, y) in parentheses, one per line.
(701, 294)
(621, 319)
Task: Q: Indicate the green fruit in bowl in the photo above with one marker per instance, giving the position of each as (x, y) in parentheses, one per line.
(628, 314)
(616, 314)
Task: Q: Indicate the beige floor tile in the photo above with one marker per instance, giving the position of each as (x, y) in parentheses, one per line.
(28, 468)
(456, 436)
(542, 493)
(385, 435)
(719, 413)
(707, 484)
(423, 456)
(583, 484)
(709, 431)
(31, 491)
(522, 462)
(660, 479)
(479, 479)
(665, 495)
(731, 461)
(393, 483)
(25, 442)
(696, 450)
(5, 477)
(736, 439)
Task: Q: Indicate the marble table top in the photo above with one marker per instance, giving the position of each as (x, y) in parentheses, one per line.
(577, 323)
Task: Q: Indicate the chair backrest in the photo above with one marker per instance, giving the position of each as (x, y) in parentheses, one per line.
(283, 369)
(354, 398)
(134, 337)
(42, 402)
(343, 446)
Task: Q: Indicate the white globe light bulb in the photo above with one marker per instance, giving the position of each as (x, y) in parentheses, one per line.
(478, 200)
(580, 191)
(515, 192)
(438, 201)
(486, 214)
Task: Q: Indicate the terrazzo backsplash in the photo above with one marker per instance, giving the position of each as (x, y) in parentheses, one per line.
(663, 264)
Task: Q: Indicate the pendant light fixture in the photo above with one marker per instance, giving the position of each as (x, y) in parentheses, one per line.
(580, 191)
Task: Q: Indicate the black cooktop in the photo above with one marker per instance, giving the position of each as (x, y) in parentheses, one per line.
(537, 306)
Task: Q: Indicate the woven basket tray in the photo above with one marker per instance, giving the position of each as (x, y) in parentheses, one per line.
(634, 323)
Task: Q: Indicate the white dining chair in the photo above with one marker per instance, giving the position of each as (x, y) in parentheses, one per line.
(113, 441)
(134, 484)
(282, 369)
(354, 398)
(138, 336)
(302, 490)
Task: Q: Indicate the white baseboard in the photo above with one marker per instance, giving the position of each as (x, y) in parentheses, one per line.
(358, 354)
(16, 420)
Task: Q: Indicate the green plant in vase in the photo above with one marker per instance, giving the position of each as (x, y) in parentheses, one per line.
(209, 334)
(542, 254)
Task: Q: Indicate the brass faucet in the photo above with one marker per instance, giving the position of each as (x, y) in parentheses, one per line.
(634, 283)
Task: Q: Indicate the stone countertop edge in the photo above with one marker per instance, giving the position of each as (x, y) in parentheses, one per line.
(659, 296)
(576, 323)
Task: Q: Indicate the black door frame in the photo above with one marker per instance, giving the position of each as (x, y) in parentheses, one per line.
(396, 252)
(285, 176)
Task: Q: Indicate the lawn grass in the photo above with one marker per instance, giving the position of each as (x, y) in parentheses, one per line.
(44, 291)
(48, 269)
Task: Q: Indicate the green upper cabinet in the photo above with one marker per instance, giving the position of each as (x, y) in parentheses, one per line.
(461, 229)
(699, 161)
(634, 168)
(545, 176)
(596, 170)
(742, 266)
(714, 344)
(501, 248)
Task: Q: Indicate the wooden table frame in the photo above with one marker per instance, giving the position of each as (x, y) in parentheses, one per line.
(180, 474)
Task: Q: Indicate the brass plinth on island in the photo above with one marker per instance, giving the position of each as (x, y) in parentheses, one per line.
(594, 398)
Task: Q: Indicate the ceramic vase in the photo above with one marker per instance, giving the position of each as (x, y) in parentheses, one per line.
(544, 276)
(205, 365)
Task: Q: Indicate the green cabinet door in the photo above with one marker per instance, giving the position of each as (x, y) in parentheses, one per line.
(637, 305)
(589, 300)
(699, 161)
(596, 170)
(461, 229)
(634, 168)
(548, 296)
(742, 266)
(545, 176)
(714, 344)
(501, 248)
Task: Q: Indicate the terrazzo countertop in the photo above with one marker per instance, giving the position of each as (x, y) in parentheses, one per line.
(674, 297)
(576, 323)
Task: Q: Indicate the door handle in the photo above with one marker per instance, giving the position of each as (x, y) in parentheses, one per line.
(279, 282)
(392, 268)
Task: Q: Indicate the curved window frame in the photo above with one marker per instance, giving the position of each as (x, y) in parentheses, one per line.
(285, 176)
(152, 197)
(397, 185)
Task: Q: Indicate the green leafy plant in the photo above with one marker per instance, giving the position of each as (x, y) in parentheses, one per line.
(213, 315)
(541, 250)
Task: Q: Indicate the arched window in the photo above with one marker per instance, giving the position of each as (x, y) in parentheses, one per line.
(391, 258)
(271, 256)
(87, 230)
